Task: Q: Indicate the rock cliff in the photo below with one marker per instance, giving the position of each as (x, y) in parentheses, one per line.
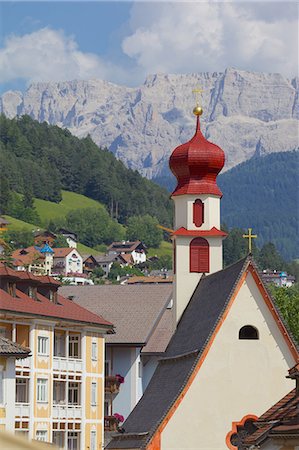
(245, 113)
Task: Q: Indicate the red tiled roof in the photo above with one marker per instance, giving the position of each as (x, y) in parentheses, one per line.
(7, 271)
(123, 246)
(212, 232)
(282, 418)
(62, 252)
(31, 254)
(64, 309)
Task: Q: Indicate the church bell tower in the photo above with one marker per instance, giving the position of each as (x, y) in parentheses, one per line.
(197, 238)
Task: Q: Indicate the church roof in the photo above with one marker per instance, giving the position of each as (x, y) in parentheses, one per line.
(196, 165)
(188, 344)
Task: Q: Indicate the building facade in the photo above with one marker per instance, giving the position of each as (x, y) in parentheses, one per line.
(59, 389)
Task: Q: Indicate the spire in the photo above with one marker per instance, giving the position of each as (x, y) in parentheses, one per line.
(197, 163)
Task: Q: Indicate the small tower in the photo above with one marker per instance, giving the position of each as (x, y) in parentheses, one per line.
(197, 238)
(49, 253)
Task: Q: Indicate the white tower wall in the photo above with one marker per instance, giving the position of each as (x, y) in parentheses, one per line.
(185, 281)
(184, 211)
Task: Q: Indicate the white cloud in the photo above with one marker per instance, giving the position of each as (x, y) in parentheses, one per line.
(210, 36)
(49, 55)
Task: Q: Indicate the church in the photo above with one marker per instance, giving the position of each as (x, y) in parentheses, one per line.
(227, 361)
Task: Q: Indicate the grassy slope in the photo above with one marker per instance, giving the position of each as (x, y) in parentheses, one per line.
(164, 249)
(70, 201)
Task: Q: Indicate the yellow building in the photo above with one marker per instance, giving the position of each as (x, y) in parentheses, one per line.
(59, 390)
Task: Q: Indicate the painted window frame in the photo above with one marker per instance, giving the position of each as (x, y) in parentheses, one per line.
(93, 440)
(40, 433)
(43, 345)
(42, 390)
(93, 394)
(94, 350)
(72, 341)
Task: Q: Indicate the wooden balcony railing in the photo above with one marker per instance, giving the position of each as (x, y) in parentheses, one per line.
(112, 385)
(110, 423)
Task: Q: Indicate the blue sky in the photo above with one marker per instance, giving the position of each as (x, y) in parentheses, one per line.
(123, 42)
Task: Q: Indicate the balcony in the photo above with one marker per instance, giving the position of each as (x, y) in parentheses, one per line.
(112, 383)
(64, 364)
(23, 363)
(67, 411)
(22, 410)
(110, 423)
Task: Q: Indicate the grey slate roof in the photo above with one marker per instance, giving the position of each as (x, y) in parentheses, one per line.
(9, 348)
(134, 310)
(200, 318)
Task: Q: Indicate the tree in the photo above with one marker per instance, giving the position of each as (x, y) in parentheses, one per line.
(287, 300)
(5, 195)
(269, 258)
(19, 238)
(144, 228)
(60, 241)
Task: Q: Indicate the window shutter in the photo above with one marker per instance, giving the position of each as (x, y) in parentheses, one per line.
(199, 256)
(198, 213)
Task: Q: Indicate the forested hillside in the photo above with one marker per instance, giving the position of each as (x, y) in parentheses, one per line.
(45, 159)
(261, 193)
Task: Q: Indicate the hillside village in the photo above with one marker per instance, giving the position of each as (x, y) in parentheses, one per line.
(116, 351)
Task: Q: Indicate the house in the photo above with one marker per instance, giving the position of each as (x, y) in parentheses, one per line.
(3, 224)
(35, 259)
(42, 237)
(106, 261)
(59, 389)
(70, 236)
(231, 348)
(281, 279)
(277, 428)
(144, 321)
(67, 260)
(134, 252)
(9, 352)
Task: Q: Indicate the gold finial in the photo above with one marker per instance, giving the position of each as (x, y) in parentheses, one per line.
(197, 111)
(249, 236)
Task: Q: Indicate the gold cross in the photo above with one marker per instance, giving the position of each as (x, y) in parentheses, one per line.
(197, 92)
(249, 236)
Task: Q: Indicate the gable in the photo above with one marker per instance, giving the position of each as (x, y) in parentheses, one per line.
(236, 377)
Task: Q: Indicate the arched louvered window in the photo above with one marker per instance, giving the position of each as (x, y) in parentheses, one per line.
(248, 332)
(198, 213)
(199, 255)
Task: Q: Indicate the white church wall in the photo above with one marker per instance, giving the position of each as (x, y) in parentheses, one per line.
(237, 377)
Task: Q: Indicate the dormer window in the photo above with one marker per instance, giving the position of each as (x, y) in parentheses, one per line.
(248, 332)
(198, 213)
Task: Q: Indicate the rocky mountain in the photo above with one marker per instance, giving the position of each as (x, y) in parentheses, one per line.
(245, 113)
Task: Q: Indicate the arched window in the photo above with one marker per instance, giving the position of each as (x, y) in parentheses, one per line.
(198, 213)
(199, 255)
(248, 332)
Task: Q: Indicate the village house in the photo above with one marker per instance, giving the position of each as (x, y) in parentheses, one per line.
(144, 320)
(57, 395)
(281, 279)
(131, 252)
(70, 237)
(44, 237)
(227, 359)
(9, 352)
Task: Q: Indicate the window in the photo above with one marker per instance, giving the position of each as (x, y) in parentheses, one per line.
(107, 368)
(73, 441)
(42, 345)
(41, 435)
(59, 392)
(58, 438)
(198, 213)
(248, 332)
(73, 346)
(59, 344)
(42, 388)
(199, 255)
(93, 440)
(94, 394)
(74, 394)
(94, 351)
(22, 390)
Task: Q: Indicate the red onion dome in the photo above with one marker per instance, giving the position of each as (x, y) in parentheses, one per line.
(196, 165)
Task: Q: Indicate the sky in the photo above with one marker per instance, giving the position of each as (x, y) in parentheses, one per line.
(123, 42)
